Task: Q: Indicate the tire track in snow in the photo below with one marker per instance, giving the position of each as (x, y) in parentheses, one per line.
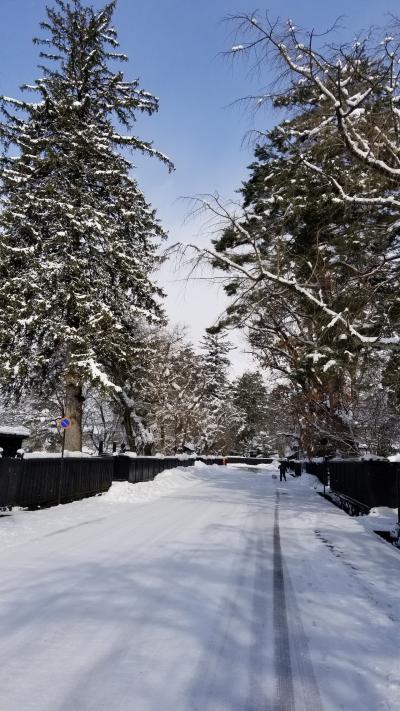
(305, 686)
(284, 692)
(296, 687)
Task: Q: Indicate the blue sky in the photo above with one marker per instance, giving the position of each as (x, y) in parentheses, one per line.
(174, 47)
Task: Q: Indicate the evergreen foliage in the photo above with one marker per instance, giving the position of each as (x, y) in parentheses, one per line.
(251, 400)
(222, 419)
(216, 364)
(312, 256)
(77, 238)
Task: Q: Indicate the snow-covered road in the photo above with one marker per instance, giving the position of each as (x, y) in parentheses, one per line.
(213, 589)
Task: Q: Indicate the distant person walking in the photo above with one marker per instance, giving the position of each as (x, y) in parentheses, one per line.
(282, 471)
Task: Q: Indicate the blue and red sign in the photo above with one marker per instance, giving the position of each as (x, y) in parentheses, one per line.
(65, 423)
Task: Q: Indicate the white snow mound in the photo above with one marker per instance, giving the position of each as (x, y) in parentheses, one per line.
(164, 483)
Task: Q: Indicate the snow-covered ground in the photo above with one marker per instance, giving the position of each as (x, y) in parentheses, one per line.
(209, 589)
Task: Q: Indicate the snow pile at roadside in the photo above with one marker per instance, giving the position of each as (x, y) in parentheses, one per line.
(311, 481)
(158, 455)
(19, 527)
(198, 464)
(272, 466)
(164, 483)
(381, 519)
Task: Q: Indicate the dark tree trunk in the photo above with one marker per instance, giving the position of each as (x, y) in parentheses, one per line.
(130, 435)
(162, 438)
(73, 409)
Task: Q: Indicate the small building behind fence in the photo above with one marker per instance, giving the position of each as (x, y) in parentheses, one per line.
(11, 439)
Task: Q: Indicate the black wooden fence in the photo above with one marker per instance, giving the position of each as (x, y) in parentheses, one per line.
(136, 469)
(369, 483)
(372, 483)
(212, 460)
(295, 467)
(35, 483)
(10, 477)
(319, 469)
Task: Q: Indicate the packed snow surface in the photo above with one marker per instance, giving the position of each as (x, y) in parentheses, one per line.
(209, 589)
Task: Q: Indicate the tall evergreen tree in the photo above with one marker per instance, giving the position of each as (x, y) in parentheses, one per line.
(216, 363)
(77, 238)
(251, 399)
(221, 419)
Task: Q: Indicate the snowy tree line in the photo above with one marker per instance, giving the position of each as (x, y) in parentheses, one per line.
(82, 326)
(311, 254)
(78, 241)
(172, 398)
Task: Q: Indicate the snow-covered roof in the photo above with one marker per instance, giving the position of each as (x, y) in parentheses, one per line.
(14, 431)
(190, 446)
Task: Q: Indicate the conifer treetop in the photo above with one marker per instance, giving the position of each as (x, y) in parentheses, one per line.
(78, 241)
(81, 42)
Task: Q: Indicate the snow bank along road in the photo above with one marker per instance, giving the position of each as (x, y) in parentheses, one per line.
(213, 589)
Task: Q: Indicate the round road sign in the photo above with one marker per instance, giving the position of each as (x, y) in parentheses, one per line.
(66, 422)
